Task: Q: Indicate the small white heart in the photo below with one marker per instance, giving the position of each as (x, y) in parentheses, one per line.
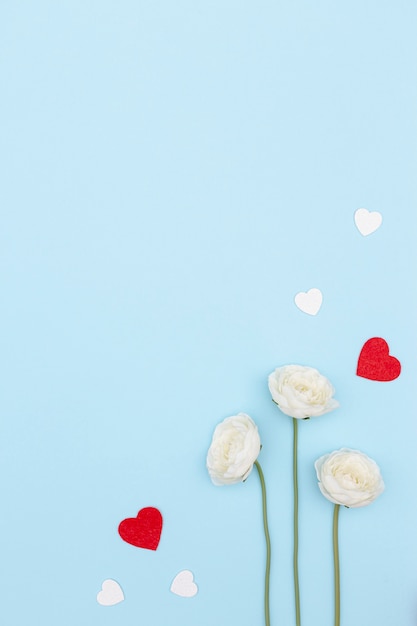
(111, 593)
(310, 301)
(183, 584)
(367, 222)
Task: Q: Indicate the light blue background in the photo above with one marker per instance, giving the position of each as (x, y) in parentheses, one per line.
(173, 173)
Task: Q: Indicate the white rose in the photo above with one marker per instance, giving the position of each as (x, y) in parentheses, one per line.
(301, 391)
(234, 449)
(349, 477)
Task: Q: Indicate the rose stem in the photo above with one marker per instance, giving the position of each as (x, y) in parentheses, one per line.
(336, 565)
(295, 483)
(268, 543)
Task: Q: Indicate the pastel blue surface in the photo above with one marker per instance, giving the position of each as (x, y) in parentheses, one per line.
(173, 173)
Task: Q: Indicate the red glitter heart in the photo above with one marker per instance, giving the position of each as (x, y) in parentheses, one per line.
(144, 530)
(375, 362)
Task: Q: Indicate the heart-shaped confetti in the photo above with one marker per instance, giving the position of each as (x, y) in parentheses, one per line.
(376, 363)
(144, 530)
(111, 593)
(309, 301)
(367, 222)
(183, 584)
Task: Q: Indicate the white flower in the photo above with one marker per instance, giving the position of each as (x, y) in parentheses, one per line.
(301, 391)
(349, 477)
(234, 449)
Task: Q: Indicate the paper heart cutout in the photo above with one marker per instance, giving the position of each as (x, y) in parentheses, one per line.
(183, 584)
(367, 222)
(375, 362)
(111, 593)
(144, 530)
(309, 301)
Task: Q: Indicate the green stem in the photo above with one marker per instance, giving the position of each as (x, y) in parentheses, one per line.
(336, 565)
(295, 557)
(268, 544)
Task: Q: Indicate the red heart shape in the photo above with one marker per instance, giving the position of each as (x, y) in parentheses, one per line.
(375, 362)
(144, 530)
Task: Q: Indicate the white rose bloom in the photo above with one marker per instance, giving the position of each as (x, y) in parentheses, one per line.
(234, 449)
(349, 477)
(301, 391)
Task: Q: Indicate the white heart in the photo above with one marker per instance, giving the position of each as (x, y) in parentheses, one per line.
(367, 222)
(310, 301)
(111, 593)
(183, 584)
